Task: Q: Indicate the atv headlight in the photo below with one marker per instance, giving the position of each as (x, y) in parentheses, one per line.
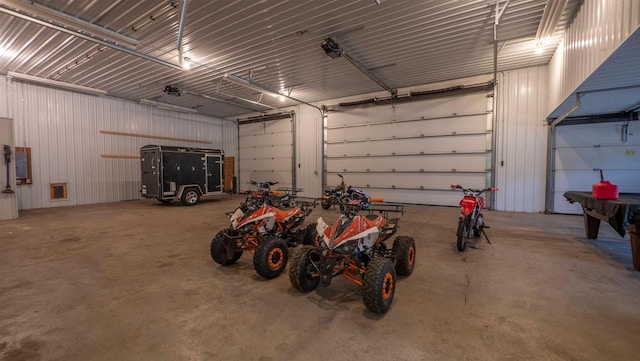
(348, 247)
(247, 228)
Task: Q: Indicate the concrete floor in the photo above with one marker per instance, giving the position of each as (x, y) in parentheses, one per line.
(134, 281)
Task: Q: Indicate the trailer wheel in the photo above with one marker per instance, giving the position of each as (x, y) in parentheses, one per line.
(271, 257)
(190, 197)
(302, 272)
(405, 249)
(220, 249)
(379, 285)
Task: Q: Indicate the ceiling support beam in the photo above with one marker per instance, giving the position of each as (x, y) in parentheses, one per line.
(84, 36)
(180, 30)
(549, 21)
(364, 70)
(221, 99)
(46, 13)
(250, 84)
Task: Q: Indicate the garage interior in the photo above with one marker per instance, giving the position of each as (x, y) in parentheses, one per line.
(401, 98)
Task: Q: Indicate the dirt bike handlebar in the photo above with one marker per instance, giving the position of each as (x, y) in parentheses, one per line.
(474, 191)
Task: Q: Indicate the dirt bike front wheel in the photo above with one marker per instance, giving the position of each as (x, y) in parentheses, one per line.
(463, 234)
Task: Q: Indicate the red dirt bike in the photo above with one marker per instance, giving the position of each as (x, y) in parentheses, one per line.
(265, 230)
(354, 247)
(333, 195)
(471, 222)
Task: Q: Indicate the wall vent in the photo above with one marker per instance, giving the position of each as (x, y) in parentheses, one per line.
(58, 191)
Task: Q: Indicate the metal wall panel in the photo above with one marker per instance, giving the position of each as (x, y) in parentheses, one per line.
(309, 151)
(266, 153)
(412, 152)
(582, 150)
(521, 140)
(63, 130)
(598, 29)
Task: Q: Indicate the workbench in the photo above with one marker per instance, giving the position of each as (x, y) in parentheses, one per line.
(623, 214)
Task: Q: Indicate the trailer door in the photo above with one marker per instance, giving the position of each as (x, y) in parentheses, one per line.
(150, 172)
(214, 174)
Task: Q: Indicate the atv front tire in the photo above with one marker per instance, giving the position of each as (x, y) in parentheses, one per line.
(302, 274)
(270, 257)
(379, 284)
(404, 248)
(324, 203)
(310, 235)
(219, 251)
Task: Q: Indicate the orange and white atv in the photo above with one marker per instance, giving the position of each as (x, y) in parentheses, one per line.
(266, 231)
(354, 246)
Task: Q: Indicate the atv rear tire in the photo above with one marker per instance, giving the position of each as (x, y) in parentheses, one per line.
(324, 203)
(463, 234)
(219, 251)
(379, 284)
(270, 257)
(310, 235)
(404, 248)
(301, 270)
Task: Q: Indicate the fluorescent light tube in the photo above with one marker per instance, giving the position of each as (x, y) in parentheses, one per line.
(55, 83)
(167, 106)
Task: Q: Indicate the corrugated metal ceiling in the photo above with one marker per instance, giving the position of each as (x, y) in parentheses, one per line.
(277, 43)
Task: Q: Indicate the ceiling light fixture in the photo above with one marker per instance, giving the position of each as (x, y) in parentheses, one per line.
(167, 106)
(55, 83)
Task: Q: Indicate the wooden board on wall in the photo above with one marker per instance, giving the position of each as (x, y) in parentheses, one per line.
(229, 171)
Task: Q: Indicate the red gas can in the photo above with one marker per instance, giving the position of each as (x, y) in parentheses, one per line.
(604, 189)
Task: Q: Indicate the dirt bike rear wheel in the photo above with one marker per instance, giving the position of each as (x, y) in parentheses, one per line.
(219, 252)
(324, 203)
(302, 273)
(379, 284)
(404, 248)
(271, 257)
(477, 230)
(463, 234)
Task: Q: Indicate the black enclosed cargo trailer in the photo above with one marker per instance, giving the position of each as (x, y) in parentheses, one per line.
(183, 173)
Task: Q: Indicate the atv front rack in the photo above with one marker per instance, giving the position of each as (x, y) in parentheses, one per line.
(384, 208)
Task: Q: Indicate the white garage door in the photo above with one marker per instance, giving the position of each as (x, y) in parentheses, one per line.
(582, 150)
(266, 152)
(411, 152)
